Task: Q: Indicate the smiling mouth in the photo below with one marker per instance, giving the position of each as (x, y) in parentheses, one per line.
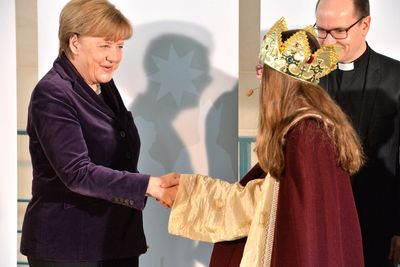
(107, 68)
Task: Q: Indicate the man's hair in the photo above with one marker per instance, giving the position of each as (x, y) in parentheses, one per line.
(361, 7)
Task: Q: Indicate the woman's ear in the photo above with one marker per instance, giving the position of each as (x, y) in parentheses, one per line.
(74, 44)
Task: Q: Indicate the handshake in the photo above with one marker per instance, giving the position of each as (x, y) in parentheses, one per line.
(164, 188)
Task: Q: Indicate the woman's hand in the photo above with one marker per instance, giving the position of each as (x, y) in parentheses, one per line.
(164, 188)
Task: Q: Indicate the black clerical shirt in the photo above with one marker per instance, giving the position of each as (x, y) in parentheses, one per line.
(348, 87)
(370, 95)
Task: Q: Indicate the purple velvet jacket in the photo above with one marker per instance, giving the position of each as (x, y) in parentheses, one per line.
(87, 194)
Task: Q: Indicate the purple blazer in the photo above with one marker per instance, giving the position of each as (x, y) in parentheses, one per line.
(87, 194)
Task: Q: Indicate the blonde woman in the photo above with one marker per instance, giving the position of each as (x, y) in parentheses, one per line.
(302, 213)
(87, 193)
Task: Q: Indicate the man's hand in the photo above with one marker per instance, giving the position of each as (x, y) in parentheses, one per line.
(394, 254)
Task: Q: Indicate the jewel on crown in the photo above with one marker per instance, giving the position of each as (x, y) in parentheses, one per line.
(294, 57)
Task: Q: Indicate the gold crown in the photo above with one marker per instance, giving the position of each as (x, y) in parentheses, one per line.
(294, 57)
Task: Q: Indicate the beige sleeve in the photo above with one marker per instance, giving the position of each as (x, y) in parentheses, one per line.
(213, 210)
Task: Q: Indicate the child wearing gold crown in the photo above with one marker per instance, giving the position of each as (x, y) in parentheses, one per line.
(302, 213)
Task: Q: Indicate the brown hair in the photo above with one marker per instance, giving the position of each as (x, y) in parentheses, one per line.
(96, 18)
(283, 100)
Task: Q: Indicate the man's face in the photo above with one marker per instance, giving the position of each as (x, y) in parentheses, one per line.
(339, 15)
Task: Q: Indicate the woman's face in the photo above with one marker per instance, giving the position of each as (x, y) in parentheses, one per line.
(95, 58)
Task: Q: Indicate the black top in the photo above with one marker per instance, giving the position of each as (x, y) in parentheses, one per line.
(370, 95)
(347, 84)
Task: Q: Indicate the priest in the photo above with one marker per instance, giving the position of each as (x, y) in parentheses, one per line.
(366, 86)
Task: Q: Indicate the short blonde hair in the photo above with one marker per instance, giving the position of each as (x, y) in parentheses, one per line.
(96, 18)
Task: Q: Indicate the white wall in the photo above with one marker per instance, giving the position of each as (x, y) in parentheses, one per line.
(8, 136)
(179, 78)
(384, 34)
(249, 30)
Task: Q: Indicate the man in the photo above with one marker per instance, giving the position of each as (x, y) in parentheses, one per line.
(367, 87)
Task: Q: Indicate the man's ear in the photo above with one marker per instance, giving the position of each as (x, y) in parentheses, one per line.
(365, 25)
(74, 44)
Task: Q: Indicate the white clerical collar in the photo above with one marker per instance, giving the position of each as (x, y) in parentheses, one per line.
(346, 66)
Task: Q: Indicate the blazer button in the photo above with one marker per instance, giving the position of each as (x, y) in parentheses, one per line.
(122, 134)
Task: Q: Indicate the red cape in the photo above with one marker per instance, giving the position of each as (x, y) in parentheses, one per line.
(317, 223)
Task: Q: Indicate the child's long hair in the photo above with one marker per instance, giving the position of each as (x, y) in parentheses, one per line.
(283, 99)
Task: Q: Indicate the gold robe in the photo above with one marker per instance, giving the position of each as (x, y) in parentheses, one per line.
(233, 212)
(317, 220)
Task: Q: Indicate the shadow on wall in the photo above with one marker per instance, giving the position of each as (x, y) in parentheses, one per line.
(177, 70)
(186, 115)
(222, 136)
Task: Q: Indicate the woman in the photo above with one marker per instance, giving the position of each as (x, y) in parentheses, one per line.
(302, 213)
(87, 194)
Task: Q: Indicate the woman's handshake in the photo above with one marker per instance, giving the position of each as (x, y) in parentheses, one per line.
(164, 188)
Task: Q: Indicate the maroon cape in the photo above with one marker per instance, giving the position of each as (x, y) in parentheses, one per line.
(317, 223)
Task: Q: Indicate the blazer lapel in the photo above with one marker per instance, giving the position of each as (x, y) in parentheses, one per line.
(326, 83)
(86, 92)
(370, 95)
(68, 72)
(114, 101)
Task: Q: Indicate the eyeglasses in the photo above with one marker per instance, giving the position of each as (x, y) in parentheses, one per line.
(338, 33)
